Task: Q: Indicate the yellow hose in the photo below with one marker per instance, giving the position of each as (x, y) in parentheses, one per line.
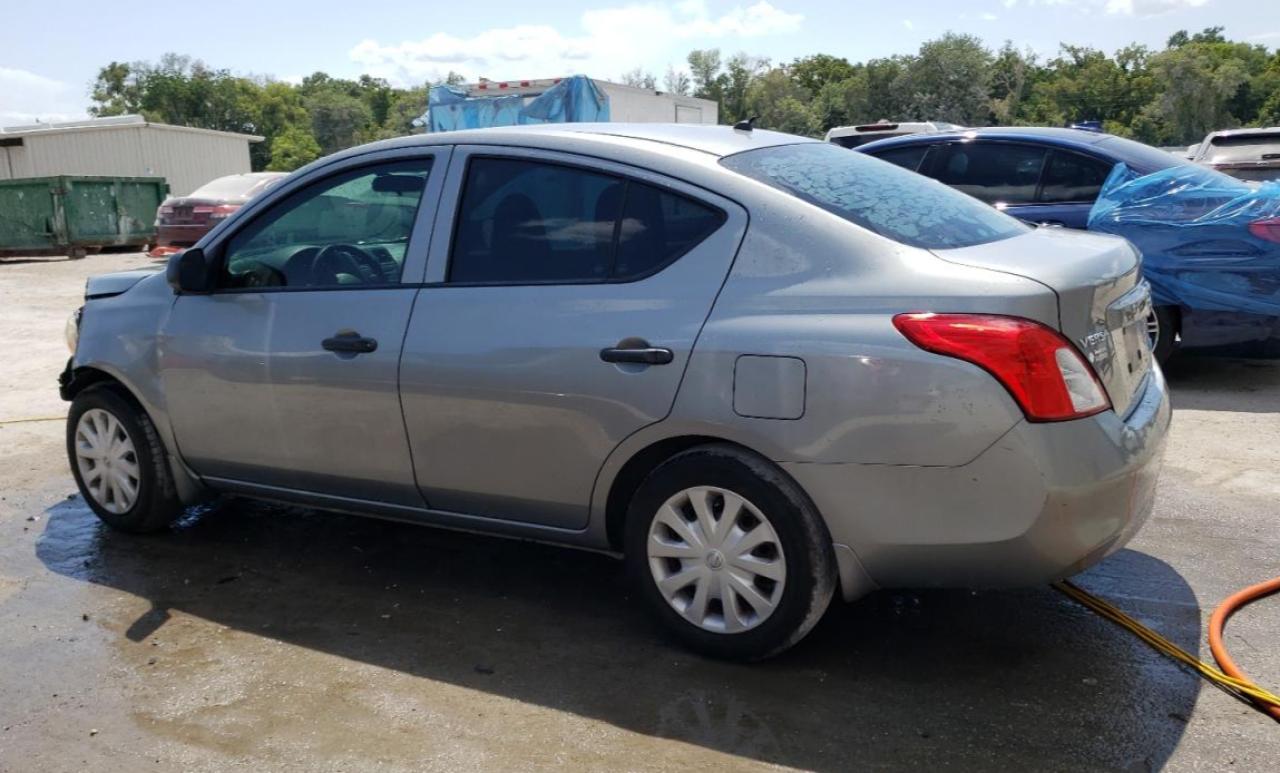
(1243, 689)
(37, 418)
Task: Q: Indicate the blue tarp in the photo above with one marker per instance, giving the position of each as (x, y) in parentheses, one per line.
(572, 100)
(1192, 225)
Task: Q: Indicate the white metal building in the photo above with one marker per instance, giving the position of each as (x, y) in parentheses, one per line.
(126, 145)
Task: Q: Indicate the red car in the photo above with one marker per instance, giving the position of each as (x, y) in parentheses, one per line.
(181, 221)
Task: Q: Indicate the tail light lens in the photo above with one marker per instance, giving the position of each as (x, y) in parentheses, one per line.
(1043, 371)
(1268, 229)
(216, 212)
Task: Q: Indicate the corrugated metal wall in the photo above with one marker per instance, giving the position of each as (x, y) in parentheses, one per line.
(186, 159)
(629, 104)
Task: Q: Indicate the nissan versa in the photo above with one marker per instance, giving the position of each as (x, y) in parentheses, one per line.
(762, 367)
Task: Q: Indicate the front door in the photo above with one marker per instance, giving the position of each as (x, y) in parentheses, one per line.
(286, 375)
(560, 322)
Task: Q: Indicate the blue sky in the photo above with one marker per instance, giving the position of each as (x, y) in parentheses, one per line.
(49, 57)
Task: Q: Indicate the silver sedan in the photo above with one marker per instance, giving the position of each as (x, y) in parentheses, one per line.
(764, 369)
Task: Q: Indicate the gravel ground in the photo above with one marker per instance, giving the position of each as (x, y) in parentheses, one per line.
(267, 638)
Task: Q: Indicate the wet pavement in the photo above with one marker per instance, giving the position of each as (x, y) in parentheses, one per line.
(270, 638)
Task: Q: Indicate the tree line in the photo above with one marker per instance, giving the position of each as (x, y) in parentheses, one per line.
(1197, 83)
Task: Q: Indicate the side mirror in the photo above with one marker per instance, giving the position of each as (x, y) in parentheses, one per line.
(188, 272)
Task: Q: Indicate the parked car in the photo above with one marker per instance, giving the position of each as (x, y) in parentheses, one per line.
(853, 136)
(762, 367)
(182, 220)
(1050, 176)
(1249, 154)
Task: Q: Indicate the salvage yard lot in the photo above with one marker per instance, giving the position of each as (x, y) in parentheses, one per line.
(272, 638)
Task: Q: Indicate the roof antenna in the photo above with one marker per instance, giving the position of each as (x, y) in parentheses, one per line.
(746, 124)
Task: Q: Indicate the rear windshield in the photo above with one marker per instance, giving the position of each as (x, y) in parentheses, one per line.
(1250, 147)
(854, 140)
(877, 195)
(236, 186)
(1139, 156)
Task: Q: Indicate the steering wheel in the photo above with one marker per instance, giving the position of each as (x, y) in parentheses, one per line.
(347, 259)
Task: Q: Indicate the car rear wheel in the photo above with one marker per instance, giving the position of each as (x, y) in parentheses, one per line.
(729, 554)
(119, 463)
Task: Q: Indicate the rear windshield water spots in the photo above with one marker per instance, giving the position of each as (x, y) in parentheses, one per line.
(877, 195)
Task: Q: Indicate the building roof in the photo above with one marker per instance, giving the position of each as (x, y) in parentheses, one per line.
(113, 122)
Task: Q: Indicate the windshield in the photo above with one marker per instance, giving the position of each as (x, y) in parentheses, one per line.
(877, 195)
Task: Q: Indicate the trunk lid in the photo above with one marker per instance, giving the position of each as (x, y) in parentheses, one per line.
(1103, 304)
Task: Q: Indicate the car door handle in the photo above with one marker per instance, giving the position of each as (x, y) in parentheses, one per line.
(638, 351)
(348, 342)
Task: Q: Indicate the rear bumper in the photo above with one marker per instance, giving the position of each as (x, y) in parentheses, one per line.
(180, 235)
(1042, 503)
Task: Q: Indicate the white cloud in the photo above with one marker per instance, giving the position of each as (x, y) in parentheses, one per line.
(908, 24)
(611, 41)
(1146, 8)
(26, 97)
(989, 17)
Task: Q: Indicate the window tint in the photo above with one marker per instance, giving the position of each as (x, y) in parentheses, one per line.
(907, 158)
(993, 172)
(349, 229)
(658, 227)
(880, 197)
(1072, 177)
(529, 221)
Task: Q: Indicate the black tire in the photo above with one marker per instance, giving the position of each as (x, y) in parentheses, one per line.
(810, 561)
(156, 504)
(1167, 320)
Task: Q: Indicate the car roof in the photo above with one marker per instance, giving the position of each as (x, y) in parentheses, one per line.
(1039, 134)
(716, 140)
(1143, 158)
(1265, 131)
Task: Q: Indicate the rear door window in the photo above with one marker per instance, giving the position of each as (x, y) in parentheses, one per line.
(907, 158)
(1072, 178)
(534, 222)
(881, 197)
(994, 172)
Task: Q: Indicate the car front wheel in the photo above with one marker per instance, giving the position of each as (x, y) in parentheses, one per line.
(119, 462)
(729, 553)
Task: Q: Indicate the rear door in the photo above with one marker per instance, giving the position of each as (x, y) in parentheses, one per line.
(1068, 187)
(558, 318)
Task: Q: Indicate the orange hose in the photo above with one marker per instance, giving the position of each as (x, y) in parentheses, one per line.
(1219, 620)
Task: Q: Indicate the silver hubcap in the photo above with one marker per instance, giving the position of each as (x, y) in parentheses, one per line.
(107, 460)
(716, 559)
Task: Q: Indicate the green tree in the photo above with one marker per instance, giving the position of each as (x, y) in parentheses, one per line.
(949, 80)
(291, 148)
(844, 103)
(781, 104)
(1194, 91)
(677, 82)
(704, 71)
(338, 120)
(640, 79)
(814, 72)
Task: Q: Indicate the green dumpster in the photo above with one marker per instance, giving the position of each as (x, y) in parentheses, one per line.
(73, 215)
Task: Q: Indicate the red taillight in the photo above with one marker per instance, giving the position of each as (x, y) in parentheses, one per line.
(1268, 229)
(216, 212)
(1040, 368)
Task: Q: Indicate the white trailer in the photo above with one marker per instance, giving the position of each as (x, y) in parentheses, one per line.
(627, 104)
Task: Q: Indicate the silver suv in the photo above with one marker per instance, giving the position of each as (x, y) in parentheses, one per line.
(762, 367)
